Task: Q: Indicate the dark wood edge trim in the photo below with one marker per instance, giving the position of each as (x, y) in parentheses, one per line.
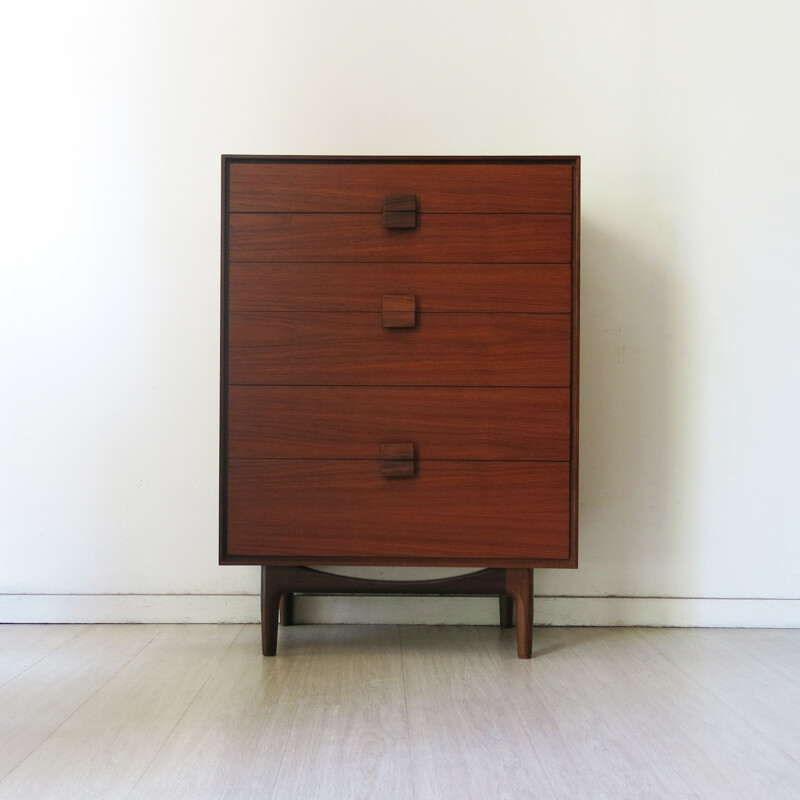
(575, 382)
(350, 561)
(490, 581)
(228, 559)
(223, 365)
(300, 159)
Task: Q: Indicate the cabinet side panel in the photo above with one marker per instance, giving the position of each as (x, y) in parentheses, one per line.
(575, 357)
(223, 362)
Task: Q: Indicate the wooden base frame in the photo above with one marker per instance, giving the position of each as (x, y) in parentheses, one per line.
(513, 587)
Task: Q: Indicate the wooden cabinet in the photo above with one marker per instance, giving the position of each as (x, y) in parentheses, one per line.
(399, 372)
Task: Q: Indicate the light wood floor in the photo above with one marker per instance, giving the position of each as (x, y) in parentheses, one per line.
(349, 712)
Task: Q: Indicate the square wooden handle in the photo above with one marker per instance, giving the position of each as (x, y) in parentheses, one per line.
(397, 459)
(400, 211)
(399, 311)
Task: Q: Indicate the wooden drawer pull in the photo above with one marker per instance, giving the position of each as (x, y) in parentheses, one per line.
(397, 459)
(400, 212)
(399, 311)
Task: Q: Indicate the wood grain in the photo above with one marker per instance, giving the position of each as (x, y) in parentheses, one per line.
(131, 712)
(310, 278)
(506, 238)
(526, 288)
(400, 212)
(592, 741)
(231, 741)
(519, 584)
(490, 510)
(719, 745)
(399, 311)
(762, 689)
(361, 187)
(58, 672)
(467, 736)
(349, 735)
(445, 424)
(397, 459)
(25, 645)
(442, 350)
(599, 714)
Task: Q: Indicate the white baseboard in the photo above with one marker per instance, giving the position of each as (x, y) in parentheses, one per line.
(560, 611)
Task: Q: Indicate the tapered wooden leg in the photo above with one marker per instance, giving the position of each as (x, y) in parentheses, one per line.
(506, 611)
(270, 602)
(287, 609)
(519, 583)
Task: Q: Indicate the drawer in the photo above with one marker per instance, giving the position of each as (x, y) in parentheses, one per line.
(358, 186)
(345, 509)
(441, 350)
(345, 422)
(526, 288)
(466, 238)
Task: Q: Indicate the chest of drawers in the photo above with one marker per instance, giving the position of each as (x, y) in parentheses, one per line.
(399, 370)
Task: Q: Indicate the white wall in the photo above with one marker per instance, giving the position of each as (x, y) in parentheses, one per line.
(686, 115)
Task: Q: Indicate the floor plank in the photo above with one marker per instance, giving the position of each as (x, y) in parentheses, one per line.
(25, 645)
(102, 749)
(47, 693)
(349, 737)
(467, 740)
(777, 650)
(754, 677)
(134, 712)
(682, 727)
(579, 729)
(231, 741)
(338, 751)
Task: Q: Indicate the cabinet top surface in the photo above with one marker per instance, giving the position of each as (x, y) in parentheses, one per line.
(418, 159)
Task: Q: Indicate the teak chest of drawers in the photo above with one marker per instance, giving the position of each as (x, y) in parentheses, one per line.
(399, 373)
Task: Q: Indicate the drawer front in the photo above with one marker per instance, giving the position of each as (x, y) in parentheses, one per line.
(449, 510)
(345, 422)
(361, 187)
(524, 288)
(509, 238)
(442, 350)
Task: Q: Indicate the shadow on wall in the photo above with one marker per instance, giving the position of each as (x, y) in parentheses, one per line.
(634, 438)
(635, 442)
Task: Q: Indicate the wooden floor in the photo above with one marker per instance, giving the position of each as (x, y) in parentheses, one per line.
(194, 711)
